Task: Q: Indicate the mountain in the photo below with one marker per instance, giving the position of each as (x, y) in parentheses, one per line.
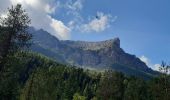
(96, 55)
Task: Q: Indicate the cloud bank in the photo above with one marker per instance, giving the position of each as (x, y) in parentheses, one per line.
(149, 64)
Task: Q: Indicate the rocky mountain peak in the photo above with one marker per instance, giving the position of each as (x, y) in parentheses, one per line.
(112, 43)
(98, 55)
(116, 41)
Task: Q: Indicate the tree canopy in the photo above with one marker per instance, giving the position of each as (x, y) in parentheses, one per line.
(13, 31)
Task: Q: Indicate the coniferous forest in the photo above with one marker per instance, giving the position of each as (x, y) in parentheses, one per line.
(25, 75)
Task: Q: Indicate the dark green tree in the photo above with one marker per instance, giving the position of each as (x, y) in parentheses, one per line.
(165, 81)
(161, 84)
(136, 89)
(111, 86)
(13, 32)
(13, 38)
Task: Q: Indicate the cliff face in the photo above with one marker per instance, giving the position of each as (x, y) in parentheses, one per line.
(93, 45)
(99, 55)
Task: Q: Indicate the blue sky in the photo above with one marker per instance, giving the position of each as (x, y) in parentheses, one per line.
(143, 26)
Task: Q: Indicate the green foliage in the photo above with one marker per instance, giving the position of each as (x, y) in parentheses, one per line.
(50, 80)
(111, 86)
(161, 84)
(136, 89)
(77, 96)
(29, 76)
(13, 32)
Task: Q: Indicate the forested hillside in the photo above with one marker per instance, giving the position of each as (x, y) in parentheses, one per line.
(30, 76)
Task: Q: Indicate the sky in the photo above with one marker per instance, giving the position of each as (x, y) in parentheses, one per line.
(143, 26)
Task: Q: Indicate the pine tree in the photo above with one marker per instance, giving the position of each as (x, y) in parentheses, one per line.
(13, 32)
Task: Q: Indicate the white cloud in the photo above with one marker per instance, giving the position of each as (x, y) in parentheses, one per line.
(33, 3)
(62, 30)
(39, 12)
(149, 64)
(49, 9)
(78, 23)
(73, 9)
(3, 15)
(77, 5)
(71, 24)
(157, 66)
(98, 24)
(145, 60)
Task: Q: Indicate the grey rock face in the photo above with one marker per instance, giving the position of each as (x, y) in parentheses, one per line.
(93, 45)
(101, 54)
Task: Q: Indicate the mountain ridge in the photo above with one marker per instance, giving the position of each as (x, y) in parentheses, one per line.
(85, 45)
(98, 55)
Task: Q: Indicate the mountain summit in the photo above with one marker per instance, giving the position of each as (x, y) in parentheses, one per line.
(97, 55)
(93, 45)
